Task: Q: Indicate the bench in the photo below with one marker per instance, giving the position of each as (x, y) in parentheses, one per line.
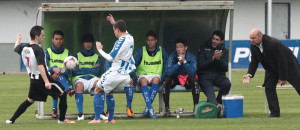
(277, 87)
(178, 88)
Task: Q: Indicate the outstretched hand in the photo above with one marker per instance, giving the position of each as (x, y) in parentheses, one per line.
(111, 19)
(246, 79)
(19, 37)
(99, 45)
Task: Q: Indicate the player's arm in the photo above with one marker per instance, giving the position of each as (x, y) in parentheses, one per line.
(111, 19)
(104, 54)
(41, 68)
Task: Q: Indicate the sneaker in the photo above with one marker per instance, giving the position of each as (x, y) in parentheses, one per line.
(54, 113)
(146, 112)
(103, 116)
(112, 121)
(152, 114)
(71, 92)
(129, 112)
(80, 116)
(66, 121)
(95, 121)
(167, 112)
(9, 122)
(220, 111)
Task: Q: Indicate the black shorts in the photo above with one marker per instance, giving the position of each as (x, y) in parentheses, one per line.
(38, 91)
(187, 87)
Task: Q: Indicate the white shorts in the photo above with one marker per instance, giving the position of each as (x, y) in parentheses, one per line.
(87, 84)
(112, 80)
(148, 77)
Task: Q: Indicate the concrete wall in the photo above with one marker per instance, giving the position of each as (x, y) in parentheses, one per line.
(18, 16)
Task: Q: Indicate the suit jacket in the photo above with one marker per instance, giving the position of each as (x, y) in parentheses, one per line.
(277, 59)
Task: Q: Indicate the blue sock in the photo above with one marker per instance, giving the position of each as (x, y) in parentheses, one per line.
(129, 95)
(145, 92)
(153, 91)
(110, 101)
(97, 106)
(79, 101)
(54, 106)
(63, 81)
(102, 99)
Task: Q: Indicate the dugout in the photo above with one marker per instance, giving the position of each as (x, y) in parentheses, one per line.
(193, 20)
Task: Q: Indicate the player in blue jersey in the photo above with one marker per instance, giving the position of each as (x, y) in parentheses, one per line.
(55, 56)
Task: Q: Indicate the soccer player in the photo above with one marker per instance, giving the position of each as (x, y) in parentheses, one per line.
(87, 73)
(41, 83)
(151, 61)
(55, 56)
(117, 76)
(128, 88)
(181, 70)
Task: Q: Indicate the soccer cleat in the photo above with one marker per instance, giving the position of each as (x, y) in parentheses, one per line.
(95, 121)
(71, 92)
(9, 122)
(152, 114)
(167, 112)
(112, 121)
(80, 117)
(146, 112)
(54, 113)
(66, 121)
(129, 112)
(103, 116)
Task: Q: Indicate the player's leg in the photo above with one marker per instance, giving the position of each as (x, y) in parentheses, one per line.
(58, 91)
(63, 81)
(193, 84)
(207, 87)
(98, 104)
(79, 87)
(99, 98)
(146, 94)
(224, 84)
(154, 87)
(129, 97)
(110, 101)
(168, 83)
(21, 109)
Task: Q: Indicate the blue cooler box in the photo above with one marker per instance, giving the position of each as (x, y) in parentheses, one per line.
(233, 106)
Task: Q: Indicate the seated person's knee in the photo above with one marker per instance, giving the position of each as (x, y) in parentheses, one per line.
(79, 87)
(143, 81)
(155, 80)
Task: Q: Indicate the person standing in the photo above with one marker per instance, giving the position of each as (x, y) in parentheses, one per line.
(280, 64)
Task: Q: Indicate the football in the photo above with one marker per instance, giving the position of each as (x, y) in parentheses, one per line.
(71, 63)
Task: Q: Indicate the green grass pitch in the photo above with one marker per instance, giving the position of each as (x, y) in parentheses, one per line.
(14, 89)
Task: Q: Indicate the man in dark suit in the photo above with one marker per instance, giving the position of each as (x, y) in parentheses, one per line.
(279, 63)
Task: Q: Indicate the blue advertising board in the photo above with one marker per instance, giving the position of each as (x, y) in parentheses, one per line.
(241, 54)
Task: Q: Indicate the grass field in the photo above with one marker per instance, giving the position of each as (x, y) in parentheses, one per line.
(14, 90)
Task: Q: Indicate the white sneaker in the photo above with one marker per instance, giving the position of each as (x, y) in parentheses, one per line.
(8, 122)
(103, 116)
(80, 118)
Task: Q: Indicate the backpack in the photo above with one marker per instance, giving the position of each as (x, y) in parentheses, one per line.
(205, 110)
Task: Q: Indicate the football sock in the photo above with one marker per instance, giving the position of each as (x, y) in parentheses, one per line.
(153, 92)
(63, 81)
(62, 107)
(129, 95)
(110, 101)
(145, 93)
(166, 95)
(196, 94)
(79, 102)
(55, 100)
(102, 99)
(97, 106)
(22, 108)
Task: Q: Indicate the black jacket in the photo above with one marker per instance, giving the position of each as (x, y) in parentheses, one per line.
(205, 64)
(276, 58)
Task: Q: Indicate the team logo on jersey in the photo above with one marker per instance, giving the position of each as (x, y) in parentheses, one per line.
(152, 63)
(57, 61)
(87, 63)
(26, 51)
